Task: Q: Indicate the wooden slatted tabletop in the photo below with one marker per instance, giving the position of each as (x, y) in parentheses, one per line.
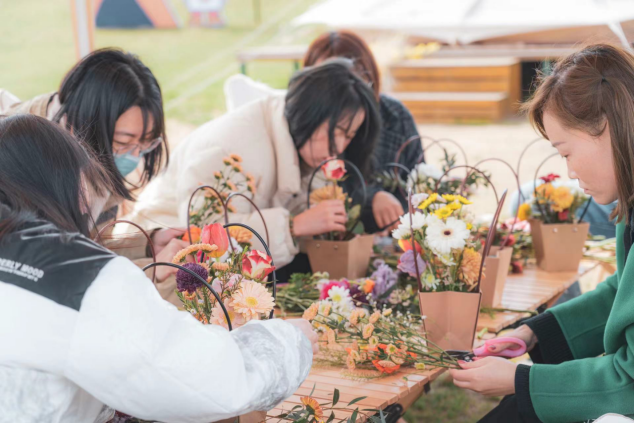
(403, 387)
(528, 291)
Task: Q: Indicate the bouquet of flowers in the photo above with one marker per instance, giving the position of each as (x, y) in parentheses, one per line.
(238, 275)
(335, 171)
(551, 204)
(425, 177)
(373, 340)
(230, 179)
(444, 248)
(519, 240)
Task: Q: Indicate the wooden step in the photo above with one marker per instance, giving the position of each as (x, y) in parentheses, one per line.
(450, 107)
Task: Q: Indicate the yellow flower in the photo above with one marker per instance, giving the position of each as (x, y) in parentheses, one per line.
(562, 198)
(374, 317)
(443, 212)
(454, 206)
(469, 226)
(426, 203)
(463, 200)
(314, 406)
(240, 234)
(544, 192)
(470, 266)
(236, 158)
(368, 331)
(420, 366)
(524, 211)
(373, 341)
(328, 192)
(449, 197)
(311, 312)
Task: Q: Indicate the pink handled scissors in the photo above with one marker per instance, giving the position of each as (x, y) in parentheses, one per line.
(484, 351)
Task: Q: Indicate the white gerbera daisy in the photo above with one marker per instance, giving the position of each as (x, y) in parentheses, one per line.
(442, 237)
(425, 170)
(417, 199)
(339, 296)
(402, 232)
(429, 281)
(419, 220)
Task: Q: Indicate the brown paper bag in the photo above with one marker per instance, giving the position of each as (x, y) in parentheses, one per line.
(559, 247)
(495, 275)
(450, 318)
(253, 417)
(341, 259)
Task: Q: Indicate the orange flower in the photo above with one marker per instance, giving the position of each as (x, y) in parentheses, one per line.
(240, 234)
(230, 208)
(237, 167)
(220, 266)
(350, 363)
(250, 177)
(311, 312)
(368, 331)
(327, 193)
(227, 161)
(194, 248)
(369, 284)
(385, 366)
(231, 186)
(196, 234)
(251, 187)
(374, 317)
(544, 192)
(236, 158)
(216, 234)
(313, 406)
(562, 199)
(470, 266)
(218, 175)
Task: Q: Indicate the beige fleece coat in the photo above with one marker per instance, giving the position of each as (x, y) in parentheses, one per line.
(259, 133)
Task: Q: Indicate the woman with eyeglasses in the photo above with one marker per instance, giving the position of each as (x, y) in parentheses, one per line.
(112, 102)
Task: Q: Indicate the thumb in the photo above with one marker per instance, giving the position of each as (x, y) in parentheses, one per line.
(471, 364)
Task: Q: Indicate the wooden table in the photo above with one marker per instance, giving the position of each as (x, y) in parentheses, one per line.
(529, 291)
(403, 387)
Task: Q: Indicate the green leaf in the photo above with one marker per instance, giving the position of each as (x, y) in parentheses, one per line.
(354, 212)
(336, 396)
(353, 417)
(357, 400)
(331, 417)
(313, 390)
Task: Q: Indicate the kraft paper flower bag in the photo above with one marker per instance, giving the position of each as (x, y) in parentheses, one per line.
(341, 255)
(443, 254)
(557, 234)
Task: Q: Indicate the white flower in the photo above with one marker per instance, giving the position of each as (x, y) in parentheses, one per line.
(339, 296)
(429, 282)
(402, 232)
(442, 237)
(425, 170)
(417, 199)
(447, 259)
(419, 220)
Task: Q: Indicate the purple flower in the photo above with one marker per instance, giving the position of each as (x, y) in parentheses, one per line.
(357, 294)
(384, 277)
(187, 282)
(407, 263)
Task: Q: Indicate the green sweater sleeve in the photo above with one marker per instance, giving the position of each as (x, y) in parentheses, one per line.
(583, 319)
(587, 388)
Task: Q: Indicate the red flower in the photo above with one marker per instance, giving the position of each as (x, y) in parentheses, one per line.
(215, 234)
(334, 170)
(509, 241)
(324, 291)
(257, 265)
(563, 215)
(406, 245)
(517, 267)
(549, 178)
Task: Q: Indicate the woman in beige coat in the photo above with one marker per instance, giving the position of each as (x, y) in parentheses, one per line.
(327, 111)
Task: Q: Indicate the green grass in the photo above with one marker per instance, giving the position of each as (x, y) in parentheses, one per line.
(445, 403)
(191, 64)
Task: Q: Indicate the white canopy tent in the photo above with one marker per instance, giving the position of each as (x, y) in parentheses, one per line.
(469, 21)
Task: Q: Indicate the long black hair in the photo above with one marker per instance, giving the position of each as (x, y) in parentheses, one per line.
(96, 92)
(329, 92)
(44, 174)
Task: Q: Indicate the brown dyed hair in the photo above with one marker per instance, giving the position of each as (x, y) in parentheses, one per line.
(349, 45)
(587, 91)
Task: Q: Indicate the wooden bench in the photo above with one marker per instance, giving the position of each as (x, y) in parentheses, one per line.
(463, 90)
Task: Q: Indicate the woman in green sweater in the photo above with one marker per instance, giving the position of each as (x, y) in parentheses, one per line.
(582, 349)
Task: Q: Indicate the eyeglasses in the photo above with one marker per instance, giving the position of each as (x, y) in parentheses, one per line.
(131, 148)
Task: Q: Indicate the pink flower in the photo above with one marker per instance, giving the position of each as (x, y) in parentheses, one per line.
(550, 178)
(257, 265)
(521, 225)
(218, 317)
(324, 290)
(215, 234)
(334, 170)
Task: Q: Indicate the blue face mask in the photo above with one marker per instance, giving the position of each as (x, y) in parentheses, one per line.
(126, 163)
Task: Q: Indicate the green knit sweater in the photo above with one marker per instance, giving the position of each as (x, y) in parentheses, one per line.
(595, 371)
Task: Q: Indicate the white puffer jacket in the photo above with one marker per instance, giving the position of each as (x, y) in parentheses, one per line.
(259, 133)
(83, 332)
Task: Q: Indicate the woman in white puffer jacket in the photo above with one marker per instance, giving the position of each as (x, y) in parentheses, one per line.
(84, 332)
